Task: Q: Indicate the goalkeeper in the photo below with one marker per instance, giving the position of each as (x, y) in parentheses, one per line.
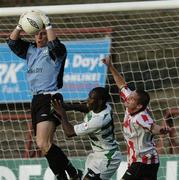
(103, 162)
(138, 129)
(45, 60)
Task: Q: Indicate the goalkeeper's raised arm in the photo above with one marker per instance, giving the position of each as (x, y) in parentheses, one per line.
(46, 25)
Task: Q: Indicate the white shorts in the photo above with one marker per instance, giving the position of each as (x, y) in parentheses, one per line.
(103, 163)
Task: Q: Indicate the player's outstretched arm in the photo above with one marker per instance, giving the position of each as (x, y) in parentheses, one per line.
(120, 82)
(82, 107)
(171, 112)
(76, 107)
(156, 129)
(67, 127)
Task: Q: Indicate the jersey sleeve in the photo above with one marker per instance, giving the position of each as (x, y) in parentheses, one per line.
(19, 47)
(88, 127)
(145, 121)
(124, 93)
(57, 50)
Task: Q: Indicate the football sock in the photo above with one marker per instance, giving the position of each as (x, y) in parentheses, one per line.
(71, 170)
(59, 162)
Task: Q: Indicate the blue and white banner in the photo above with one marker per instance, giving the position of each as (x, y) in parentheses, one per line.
(83, 71)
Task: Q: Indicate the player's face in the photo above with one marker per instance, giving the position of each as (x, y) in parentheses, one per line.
(132, 102)
(92, 101)
(41, 38)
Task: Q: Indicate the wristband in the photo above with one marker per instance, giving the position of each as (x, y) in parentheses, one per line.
(18, 28)
(48, 27)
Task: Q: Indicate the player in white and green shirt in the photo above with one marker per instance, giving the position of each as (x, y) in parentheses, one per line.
(103, 162)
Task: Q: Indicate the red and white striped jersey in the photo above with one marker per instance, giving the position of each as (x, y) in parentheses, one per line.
(141, 147)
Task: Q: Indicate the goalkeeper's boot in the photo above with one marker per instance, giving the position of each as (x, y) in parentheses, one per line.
(78, 176)
(61, 176)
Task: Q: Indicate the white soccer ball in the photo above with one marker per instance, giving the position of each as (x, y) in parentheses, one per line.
(31, 22)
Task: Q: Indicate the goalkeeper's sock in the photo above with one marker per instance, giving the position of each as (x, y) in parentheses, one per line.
(56, 159)
(59, 162)
(72, 172)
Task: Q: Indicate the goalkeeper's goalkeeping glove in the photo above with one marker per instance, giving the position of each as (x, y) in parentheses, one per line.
(45, 20)
(19, 25)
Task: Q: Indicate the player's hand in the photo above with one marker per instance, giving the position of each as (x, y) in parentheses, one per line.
(58, 96)
(45, 18)
(57, 105)
(165, 130)
(107, 61)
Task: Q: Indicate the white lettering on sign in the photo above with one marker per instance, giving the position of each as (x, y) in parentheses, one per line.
(171, 173)
(87, 62)
(8, 73)
(48, 175)
(29, 170)
(67, 63)
(6, 173)
(81, 77)
(26, 171)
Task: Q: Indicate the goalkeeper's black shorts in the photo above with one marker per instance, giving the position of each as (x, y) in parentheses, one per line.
(141, 171)
(42, 110)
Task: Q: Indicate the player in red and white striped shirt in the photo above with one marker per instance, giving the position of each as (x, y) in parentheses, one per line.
(139, 129)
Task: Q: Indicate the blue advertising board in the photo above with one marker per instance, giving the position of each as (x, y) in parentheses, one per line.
(83, 71)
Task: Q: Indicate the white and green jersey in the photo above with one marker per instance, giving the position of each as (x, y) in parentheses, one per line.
(100, 128)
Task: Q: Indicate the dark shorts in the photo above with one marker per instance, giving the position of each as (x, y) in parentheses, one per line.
(140, 171)
(41, 110)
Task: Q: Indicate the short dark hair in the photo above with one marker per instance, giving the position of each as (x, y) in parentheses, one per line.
(144, 98)
(102, 93)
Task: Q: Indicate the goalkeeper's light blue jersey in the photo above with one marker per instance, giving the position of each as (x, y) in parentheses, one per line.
(42, 70)
(45, 71)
